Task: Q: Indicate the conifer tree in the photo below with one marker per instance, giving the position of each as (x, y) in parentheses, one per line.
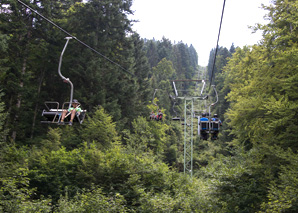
(3, 71)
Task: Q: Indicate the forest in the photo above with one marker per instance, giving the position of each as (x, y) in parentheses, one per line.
(118, 160)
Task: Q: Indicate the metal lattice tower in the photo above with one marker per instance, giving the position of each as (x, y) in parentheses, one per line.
(188, 135)
(188, 123)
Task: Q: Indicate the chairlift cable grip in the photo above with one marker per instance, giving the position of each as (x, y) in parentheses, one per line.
(215, 94)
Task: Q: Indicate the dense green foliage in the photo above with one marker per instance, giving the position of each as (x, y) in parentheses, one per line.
(120, 161)
(260, 106)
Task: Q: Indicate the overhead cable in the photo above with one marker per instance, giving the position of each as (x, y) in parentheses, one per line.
(213, 66)
(81, 42)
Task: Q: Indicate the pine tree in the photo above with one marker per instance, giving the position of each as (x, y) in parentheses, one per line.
(3, 71)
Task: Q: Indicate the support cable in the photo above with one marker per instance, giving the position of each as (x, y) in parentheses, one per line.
(223, 8)
(81, 42)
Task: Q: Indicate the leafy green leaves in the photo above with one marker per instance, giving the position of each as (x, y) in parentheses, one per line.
(100, 129)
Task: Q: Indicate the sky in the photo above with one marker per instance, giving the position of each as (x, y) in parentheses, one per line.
(197, 22)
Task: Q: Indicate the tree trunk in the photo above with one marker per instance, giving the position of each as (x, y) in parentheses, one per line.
(19, 99)
(36, 106)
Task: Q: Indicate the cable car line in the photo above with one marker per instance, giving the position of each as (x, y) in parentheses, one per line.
(81, 42)
(223, 8)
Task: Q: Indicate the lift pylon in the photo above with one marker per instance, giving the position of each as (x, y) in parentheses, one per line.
(188, 135)
(188, 122)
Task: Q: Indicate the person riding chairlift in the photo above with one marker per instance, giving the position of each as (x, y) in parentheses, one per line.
(152, 115)
(215, 118)
(74, 110)
(205, 128)
(214, 135)
(204, 118)
(159, 116)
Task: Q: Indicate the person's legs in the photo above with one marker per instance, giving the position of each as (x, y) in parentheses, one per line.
(63, 115)
(73, 114)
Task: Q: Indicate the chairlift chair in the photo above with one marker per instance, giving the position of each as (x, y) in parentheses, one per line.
(204, 129)
(53, 113)
(214, 129)
(214, 126)
(176, 118)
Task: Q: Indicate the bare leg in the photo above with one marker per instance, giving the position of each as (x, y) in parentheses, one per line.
(63, 115)
(73, 113)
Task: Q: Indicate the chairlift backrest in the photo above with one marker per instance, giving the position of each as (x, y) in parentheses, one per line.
(214, 125)
(204, 125)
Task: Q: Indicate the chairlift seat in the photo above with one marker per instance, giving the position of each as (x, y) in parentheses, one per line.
(50, 115)
(214, 125)
(53, 115)
(204, 125)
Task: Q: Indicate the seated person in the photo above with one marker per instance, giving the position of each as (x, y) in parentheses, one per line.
(204, 127)
(204, 118)
(215, 118)
(159, 115)
(152, 115)
(75, 109)
(216, 129)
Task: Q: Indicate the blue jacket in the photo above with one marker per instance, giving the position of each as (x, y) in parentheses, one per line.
(216, 119)
(219, 121)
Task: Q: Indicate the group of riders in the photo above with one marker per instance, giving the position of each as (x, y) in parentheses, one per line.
(211, 126)
(206, 125)
(158, 116)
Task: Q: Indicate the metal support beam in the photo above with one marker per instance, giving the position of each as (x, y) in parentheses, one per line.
(188, 135)
(189, 114)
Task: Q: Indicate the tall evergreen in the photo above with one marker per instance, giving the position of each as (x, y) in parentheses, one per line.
(17, 22)
(184, 58)
(152, 54)
(164, 49)
(119, 160)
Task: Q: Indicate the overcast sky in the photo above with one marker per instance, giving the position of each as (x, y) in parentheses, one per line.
(197, 22)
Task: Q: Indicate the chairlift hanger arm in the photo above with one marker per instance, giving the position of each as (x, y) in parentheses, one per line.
(60, 74)
(175, 89)
(190, 80)
(60, 61)
(214, 102)
(215, 95)
(203, 87)
(154, 97)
